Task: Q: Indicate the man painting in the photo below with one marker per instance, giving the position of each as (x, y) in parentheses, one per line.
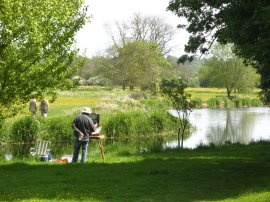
(83, 126)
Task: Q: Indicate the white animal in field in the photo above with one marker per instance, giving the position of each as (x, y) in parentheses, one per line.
(44, 107)
(33, 106)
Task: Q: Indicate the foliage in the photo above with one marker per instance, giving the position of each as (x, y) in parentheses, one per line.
(242, 23)
(225, 70)
(36, 49)
(196, 102)
(174, 90)
(58, 129)
(136, 63)
(25, 130)
(214, 102)
(220, 102)
(187, 71)
(137, 127)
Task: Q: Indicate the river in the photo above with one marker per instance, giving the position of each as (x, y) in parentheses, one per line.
(234, 125)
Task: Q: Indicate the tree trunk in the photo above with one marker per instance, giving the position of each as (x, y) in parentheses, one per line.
(124, 86)
(178, 135)
(228, 93)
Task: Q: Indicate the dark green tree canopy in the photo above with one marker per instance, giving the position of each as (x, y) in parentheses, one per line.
(246, 24)
(36, 48)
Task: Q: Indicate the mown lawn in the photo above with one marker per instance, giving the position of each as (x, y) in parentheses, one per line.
(226, 173)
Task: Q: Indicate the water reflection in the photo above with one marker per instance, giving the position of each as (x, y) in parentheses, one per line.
(22, 151)
(232, 125)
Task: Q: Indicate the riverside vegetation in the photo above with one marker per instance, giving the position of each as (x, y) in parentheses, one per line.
(124, 114)
(237, 172)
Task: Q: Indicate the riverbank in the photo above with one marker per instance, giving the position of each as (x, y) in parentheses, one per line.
(225, 173)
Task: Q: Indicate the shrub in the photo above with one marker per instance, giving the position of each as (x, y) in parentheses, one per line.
(214, 102)
(58, 129)
(25, 129)
(256, 103)
(197, 102)
(118, 125)
(136, 125)
(246, 102)
(227, 102)
(237, 102)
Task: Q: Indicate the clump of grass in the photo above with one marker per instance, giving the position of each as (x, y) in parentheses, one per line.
(197, 102)
(137, 127)
(214, 102)
(25, 130)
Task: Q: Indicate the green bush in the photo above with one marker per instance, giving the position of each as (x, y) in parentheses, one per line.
(246, 102)
(228, 103)
(57, 129)
(237, 102)
(25, 130)
(197, 102)
(214, 102)
(118, 125)
(5, 131)
(256, 103)
(136, 125)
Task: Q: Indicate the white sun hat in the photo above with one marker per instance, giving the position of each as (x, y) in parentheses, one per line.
(86, 110)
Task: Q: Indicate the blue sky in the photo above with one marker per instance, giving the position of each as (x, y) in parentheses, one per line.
(93, 38)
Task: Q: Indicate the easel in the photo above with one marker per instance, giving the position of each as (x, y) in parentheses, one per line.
(97, 136)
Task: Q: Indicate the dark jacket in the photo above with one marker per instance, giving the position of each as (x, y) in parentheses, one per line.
(84, 124)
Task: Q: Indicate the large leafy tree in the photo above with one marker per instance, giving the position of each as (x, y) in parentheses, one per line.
(225, 70)
(136, 63)
(243, 23)
(36, 48)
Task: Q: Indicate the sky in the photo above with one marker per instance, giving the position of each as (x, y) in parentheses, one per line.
(93, 38)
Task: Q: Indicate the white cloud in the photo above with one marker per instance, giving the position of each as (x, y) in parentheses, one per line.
(93, 38)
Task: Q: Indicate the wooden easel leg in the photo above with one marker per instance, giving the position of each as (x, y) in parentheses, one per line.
(101, 149)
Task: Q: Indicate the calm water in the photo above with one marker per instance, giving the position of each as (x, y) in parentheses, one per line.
(219, 125)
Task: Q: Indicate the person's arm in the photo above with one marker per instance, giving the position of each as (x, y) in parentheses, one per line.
(75, 128)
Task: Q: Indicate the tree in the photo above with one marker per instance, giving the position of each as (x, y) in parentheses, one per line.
(151, 29)
(225, 70)
(136, 63)
(36, 49)
(187, 71)
(242, 23)
(174, 90)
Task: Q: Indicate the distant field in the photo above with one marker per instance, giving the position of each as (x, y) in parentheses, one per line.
(206, 93)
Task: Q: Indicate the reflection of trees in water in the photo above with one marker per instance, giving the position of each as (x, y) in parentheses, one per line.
(16, 150)
(23, 150)
(237, 128)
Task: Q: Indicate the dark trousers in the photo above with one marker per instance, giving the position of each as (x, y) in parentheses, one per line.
(77, 145)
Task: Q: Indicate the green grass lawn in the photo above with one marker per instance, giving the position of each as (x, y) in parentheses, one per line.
(227, 173)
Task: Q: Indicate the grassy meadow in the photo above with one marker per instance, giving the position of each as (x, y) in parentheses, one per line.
(207, 93)
(225, 173)
(106, 99)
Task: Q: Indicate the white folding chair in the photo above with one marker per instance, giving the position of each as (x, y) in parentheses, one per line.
(41, 149)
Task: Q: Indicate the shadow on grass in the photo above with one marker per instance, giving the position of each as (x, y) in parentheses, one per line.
(170, 176)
